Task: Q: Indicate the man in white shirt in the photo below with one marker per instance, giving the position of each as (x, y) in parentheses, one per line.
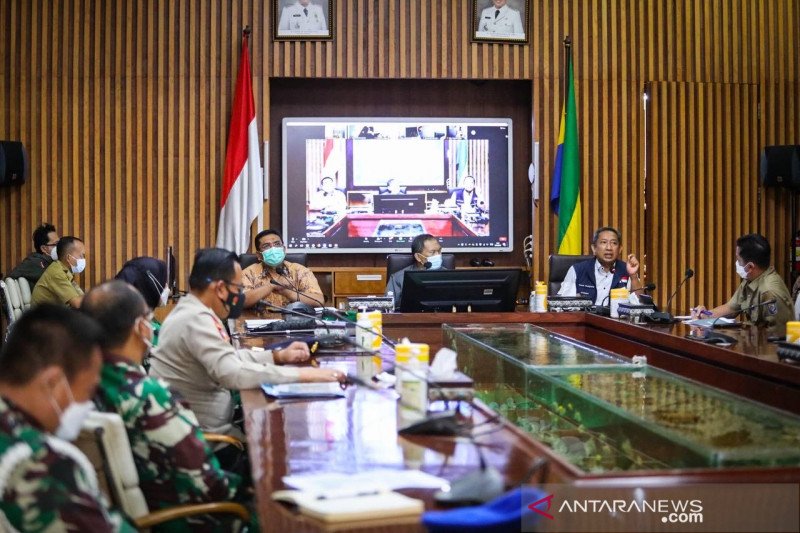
(596, 277)
(302, 17)
(501, 19)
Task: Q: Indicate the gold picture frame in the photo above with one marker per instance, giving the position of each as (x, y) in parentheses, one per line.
(501, 21)
(302, 20)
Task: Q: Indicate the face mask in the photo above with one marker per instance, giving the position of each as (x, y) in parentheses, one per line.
(235, 303)
(273, 257)
(435, 261)
(148, 340)
(163, 297)
(79, 266)
(54, 253)
(740, 270)
(72, 418)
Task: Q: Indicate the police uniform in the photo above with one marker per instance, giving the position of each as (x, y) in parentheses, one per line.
(297, 18)
(194, 355)
(768, 286)
(47, 483)
(174, 461)
(505, 21)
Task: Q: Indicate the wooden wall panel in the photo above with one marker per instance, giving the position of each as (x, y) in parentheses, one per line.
(701, 191)
(124, 104)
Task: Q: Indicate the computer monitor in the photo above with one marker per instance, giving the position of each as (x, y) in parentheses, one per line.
(399, 203)
(493, 290)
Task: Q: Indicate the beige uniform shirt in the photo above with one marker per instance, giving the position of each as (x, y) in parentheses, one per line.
(300, 278)
(195, 357)
(765, 287)
(56, 286)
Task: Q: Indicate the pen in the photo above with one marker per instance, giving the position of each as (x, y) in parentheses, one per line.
(346, 495)
(704, 312)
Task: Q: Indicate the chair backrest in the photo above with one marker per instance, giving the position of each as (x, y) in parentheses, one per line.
(117, 467)
(24, 292)
(251, 259)
(395, 262)
(11, 294)
(559, 265)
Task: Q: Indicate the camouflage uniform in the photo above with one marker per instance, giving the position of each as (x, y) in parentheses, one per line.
(174, 462)
(47, 484)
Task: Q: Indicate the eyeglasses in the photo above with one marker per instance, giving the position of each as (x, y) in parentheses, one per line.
(268, 245)
(52, 244)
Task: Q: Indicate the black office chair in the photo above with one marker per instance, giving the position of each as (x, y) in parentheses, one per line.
(559, 265)
(395, 262)
(251, 259)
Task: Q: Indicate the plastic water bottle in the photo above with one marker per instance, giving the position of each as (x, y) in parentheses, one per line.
(390, 294)
(365, 338)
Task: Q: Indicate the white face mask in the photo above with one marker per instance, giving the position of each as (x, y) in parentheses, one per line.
(72, 418)
(164, 294)
(54, 253)
(163, 299)
(79, 266)
(740, 270)
(148, 340)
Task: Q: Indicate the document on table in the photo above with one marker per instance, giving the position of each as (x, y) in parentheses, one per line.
(713, 322)
(330, 484)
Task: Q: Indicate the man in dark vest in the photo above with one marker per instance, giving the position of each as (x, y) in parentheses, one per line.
(596, 277)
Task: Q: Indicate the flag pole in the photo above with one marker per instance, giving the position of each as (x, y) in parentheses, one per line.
(567, 54)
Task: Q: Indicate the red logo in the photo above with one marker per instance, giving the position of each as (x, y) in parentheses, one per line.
(549, 500)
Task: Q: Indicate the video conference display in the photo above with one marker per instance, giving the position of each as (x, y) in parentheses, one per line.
(373, 184)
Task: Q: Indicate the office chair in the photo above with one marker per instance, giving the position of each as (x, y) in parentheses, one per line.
(559, 265)
(395, 262)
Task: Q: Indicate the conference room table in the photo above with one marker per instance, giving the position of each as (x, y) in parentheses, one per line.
(359, 432)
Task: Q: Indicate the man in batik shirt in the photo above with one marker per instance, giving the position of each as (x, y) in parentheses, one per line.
(296, 283)
(49, 368)
(173, 459)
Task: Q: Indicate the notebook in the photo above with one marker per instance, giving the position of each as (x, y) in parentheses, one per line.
(381, 504)
(303, 390)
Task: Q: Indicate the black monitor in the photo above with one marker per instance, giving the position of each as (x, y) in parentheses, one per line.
(399, 203)
(493, 290)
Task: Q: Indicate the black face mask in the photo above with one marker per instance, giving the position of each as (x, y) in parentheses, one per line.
(235, 303)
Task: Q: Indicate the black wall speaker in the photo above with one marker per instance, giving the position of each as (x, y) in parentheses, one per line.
(780, 166)
(13, 163)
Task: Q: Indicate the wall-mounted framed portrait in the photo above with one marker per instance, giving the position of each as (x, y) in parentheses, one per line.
(500, 21)
(302, 19)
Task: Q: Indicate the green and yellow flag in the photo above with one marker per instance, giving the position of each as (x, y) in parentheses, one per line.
(565, 198)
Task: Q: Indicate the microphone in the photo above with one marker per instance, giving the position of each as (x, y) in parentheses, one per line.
(645, 288)
(298, 291)
(665, 317)
(427, 265)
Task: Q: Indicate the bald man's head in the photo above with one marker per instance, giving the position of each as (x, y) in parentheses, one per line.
(116, 306)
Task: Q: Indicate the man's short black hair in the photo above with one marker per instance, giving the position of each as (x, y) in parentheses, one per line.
(264, 233)
(212, 264)
(115, 306)
(40, 236)
(754, 248)
(418, 244)
(65, 245)
(48, 335)
(615, 231)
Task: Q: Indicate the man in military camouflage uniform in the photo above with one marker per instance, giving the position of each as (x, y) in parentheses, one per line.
(49, 369)
(760, 284)
(173, 459)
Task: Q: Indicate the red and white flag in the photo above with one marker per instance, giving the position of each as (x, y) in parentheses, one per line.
(243, 184)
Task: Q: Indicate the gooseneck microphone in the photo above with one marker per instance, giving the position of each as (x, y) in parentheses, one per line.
(296, 290)
(645, 288)
(665, 317)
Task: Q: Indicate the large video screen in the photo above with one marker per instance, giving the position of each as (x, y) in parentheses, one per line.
(373, 184)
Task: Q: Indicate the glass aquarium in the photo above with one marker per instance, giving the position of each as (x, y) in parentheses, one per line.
(602, 413)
